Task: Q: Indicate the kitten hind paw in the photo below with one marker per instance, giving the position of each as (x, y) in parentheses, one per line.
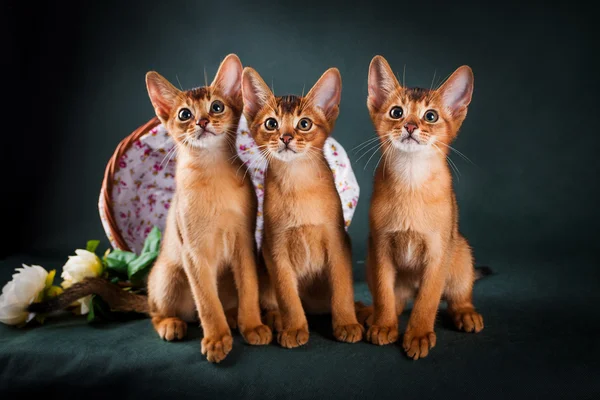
(291, 338)
(364, 314)
(350, 333)
(170, 329)
(272, 319)
(382, 335)
(259, 335)
(468, 321)
(232, 317)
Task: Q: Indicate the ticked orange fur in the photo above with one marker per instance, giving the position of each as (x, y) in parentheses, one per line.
(207, 263)
(305, 247)
(415, 248)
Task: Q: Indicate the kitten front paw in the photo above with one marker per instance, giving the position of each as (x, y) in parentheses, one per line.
(290, 338)
(259, 335)
(350, 333)
(468, 321)
(217, 348)
(417, 344)
(382, 335)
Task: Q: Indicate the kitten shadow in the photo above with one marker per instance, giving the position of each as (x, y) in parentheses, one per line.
(321, 324)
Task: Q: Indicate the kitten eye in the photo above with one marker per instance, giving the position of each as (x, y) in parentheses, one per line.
(304, 124)
(271, 124)
(217, 107)
(396, 112)
(431, 116)
(184, 114)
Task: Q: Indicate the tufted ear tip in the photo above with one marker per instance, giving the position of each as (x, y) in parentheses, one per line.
(327, 92)
(381, 82)
(162, 93)
(457, 91)
(255, 92)
(232, 57)
(228, 78)
(378, 59)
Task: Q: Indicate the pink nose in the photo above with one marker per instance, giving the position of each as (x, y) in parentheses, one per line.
(410, 128)
(286, 138)
(202, 122)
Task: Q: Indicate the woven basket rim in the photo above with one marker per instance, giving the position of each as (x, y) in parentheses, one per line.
(107, 181)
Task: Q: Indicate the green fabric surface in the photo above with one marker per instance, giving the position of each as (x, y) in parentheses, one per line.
(540, 341)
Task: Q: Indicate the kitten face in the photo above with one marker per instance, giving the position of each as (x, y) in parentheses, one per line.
(290, 127)
(201, 118)
(413, 119)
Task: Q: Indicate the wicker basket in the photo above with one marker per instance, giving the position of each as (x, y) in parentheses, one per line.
(139, 182)
(105, 202)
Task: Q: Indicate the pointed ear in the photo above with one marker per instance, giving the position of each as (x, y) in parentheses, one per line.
(228, 79)
(382, 83)
(457, 91)
(162, 94)
(255, 92)
(327, 92)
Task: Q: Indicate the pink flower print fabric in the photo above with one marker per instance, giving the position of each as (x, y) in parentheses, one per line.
(144, 183)
(143, 186)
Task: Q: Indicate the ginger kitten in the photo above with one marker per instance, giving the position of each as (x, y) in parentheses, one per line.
(306, 248)
(415, 248)
(208, 258)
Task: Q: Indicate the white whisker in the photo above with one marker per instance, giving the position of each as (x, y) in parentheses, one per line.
(383, 155)
(376, 146)
(375, 152)
(364, 144)
(457, 152)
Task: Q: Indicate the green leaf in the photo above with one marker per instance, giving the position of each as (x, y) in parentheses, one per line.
(115, 280)
(119, 260)
(138, 266)
(92, 245)
(91, 314)
(99, 310)
(152, 242)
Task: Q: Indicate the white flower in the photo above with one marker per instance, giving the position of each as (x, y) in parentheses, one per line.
(26, 286)
(84, 265)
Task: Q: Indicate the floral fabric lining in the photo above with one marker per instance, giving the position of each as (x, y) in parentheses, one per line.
(144, 183)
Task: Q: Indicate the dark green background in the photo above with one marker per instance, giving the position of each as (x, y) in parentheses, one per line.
(74, 85)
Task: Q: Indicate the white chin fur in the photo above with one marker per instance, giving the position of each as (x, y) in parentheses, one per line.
(409, 146)
(286, 155)
(207, 141)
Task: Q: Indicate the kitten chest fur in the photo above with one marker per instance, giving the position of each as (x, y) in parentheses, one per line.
(413, 211)
(213, 205)
(300, 203)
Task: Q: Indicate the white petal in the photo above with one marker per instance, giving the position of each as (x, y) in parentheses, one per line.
(9, 296)
(42, 274)
(8, 287)
(86, 256)
(86, 304)
(30, 317)
(12, 312)
(14, 320)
